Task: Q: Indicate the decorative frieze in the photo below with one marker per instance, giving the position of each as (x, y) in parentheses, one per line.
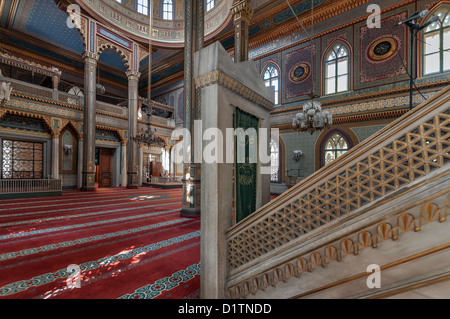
(221, 78)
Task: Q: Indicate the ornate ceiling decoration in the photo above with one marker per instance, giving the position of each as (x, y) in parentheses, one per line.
(168, 33)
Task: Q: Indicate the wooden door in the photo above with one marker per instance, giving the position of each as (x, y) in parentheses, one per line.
(157, 169)
(105, 167)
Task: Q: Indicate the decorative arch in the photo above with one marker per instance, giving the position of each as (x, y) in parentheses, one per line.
(349, 136)
(439, 28)
(281, 157)
(342, 43)
(118, 132)
(271, 76)
(68, 148)
(69, 124)
(45, 119)
(82, 26)
(103, 45)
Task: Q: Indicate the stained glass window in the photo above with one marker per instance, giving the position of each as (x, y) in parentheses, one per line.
(335, 146)
(436, 44)
(22, 160)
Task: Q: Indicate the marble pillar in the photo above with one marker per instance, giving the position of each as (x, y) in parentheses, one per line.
(242, 13)
(80, 163)
(194, 41)
(132, 160)
(124, 164)
(55, 156)
(88, 173)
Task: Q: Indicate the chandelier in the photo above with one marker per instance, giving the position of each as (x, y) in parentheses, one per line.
(148, 138)
(312, 118)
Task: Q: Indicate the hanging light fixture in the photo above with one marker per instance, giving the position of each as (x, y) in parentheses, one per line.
(148, 137)
(312, 118)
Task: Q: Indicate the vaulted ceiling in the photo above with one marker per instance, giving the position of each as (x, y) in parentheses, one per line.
(39, 27)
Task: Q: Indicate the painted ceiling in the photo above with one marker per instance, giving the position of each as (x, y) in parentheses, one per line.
(44, 21)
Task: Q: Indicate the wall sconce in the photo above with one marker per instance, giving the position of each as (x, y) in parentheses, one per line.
(296, 155)
(67, 149)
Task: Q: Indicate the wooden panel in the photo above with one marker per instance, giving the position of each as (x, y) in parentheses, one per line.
(105, 167)
(157, 169)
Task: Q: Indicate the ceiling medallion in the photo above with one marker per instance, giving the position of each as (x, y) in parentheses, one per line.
(312, 118)
(382, 49)
(300, 72)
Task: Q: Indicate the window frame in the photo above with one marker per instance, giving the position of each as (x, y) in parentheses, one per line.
(271, 79)
(278, 149)
(325, 141)
(166, 10)
(335, 61)
(210, 4)
(440, 30)
(141, 5)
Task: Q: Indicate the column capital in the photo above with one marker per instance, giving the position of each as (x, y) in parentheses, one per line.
(89, 55)
(133, 74)
(241, 10)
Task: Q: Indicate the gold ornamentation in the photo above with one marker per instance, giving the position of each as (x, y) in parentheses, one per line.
(336, 251)
(299, 72)
(382, 49)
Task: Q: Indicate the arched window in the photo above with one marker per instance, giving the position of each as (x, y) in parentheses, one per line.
(436, 44)
(334, 146)
(337, 69)
(167, 10)
(210, 4)
(142, 6)
(271, 78)
(274, 161)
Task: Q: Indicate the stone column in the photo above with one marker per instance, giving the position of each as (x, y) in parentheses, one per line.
(55, 156)
(194, 41)
(140, 165)
(80, 162)
(88, 173)
(132, 160)
(124, 164)
(242, 13)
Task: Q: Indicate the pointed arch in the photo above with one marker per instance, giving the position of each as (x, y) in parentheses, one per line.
(271, 76)
(337, 67)
(435, 48)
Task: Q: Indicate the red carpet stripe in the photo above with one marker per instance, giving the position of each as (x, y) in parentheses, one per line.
(138, 239)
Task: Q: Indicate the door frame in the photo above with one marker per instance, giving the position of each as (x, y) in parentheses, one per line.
(115, 160)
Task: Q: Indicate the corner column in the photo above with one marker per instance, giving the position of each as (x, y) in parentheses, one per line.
(242, 13)
(132, 160)
(90, 70)
(194, 41)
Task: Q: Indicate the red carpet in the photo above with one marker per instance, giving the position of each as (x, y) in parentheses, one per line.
(126, 243)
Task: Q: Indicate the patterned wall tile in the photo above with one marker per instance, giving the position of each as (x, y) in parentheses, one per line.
(304, 142)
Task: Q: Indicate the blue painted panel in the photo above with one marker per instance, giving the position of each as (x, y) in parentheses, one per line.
(47, 21)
